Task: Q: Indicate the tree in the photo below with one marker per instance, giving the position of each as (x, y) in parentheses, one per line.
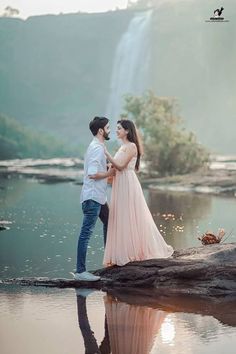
(10, 12)
(169, 148)
(18, 141)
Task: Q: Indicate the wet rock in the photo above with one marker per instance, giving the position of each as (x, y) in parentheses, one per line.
(66, 162)
(4, 225)
(49, 175)
(45, 170)
(208, 182)
(205, 271)
(52, 179)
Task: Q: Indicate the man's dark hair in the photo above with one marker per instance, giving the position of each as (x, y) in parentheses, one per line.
(97, 123)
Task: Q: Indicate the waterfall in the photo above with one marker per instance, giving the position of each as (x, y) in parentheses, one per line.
(131, 63)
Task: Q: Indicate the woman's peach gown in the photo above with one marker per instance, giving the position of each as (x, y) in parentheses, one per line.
(132, 328)
(132, 234)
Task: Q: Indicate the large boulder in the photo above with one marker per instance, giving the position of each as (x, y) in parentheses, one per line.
(206, 270)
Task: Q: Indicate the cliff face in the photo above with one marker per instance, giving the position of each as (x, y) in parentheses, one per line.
(55, 71)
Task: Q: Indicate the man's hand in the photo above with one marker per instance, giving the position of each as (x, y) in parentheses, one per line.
(96, 176)
(101, 175)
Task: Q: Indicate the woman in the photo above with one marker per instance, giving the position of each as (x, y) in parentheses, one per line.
(132, 234)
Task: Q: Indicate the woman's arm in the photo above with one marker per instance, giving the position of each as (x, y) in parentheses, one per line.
(130, 152)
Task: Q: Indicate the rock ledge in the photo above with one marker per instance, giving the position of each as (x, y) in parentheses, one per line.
(205, 271)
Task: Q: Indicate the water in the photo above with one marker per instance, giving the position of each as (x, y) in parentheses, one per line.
(56, 321)
(131, 62)
(42, 241)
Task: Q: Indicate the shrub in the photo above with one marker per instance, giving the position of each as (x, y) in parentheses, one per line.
(169, 148)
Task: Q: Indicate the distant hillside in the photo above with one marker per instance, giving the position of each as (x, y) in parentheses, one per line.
(55, 71)
(194, 61)
(16, 141)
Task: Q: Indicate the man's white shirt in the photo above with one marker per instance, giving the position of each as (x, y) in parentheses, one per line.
(94, 162)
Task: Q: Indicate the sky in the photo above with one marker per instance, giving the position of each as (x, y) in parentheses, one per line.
(38, 7)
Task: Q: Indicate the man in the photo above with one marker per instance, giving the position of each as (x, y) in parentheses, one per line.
(93, 194)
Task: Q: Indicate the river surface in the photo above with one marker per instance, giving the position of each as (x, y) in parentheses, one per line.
(42, 241)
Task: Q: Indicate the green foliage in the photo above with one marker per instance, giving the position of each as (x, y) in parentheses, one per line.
(169, 148)
(17, 141)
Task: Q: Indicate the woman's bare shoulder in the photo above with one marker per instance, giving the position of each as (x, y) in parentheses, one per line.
(129, 148)
(132, 147)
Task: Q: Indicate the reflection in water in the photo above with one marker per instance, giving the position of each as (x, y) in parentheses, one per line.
(129, 328)
(14, 301)
(178, 215)
(132, 328)
(111, 323)
(168, 331)
(142, 323)
(205, 328)
(12, 189)
(90, 343)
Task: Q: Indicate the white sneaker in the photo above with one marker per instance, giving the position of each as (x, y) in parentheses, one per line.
(86, 276)
(84, 292)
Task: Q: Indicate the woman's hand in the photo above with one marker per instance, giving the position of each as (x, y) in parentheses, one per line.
(111, 171)
(129, 151)
(108, 155)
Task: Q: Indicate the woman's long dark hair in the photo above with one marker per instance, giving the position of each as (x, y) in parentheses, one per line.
(133, 137)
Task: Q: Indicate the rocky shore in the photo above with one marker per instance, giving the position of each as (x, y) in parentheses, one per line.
(208, 181)
(218, 178)
(199, 271)
(54, 170)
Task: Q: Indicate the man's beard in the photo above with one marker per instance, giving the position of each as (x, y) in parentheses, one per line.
(106, 136)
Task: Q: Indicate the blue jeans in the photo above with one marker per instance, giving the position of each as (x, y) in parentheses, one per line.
(91, 210)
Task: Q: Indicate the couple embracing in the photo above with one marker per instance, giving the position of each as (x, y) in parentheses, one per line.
(130, 233)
